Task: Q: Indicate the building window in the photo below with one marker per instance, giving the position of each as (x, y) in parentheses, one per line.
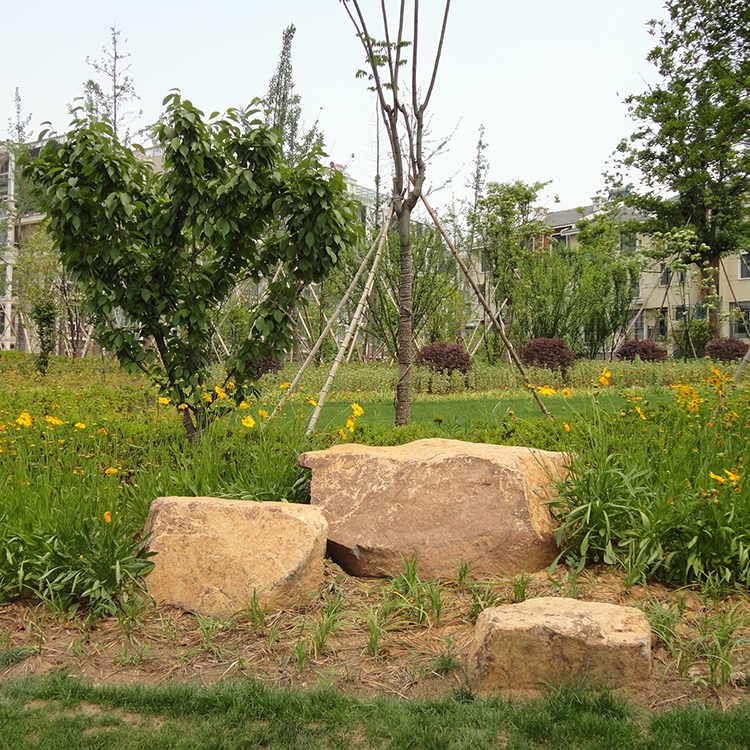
(744, 271)
(628, 243)
(739, 322)
(559, 239)
(638, 329)
(665, 275)
(680, 311)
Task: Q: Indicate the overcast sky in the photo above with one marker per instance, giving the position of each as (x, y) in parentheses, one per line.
(545, 77)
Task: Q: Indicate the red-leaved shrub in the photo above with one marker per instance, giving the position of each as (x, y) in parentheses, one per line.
(727, 349)
(648, 351)
(444, 357)
(553, 354)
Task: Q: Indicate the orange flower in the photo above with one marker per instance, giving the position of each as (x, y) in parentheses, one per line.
(566, 426)
(107, 517)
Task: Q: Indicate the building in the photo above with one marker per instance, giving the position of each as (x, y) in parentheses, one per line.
(666, 297)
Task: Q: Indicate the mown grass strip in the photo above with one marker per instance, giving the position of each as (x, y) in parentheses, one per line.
(62, 712)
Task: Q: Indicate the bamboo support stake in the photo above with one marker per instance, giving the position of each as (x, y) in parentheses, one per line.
(377, 245)
(350, 332)
(499, 325)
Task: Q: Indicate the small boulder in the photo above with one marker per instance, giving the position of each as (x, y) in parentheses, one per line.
(552, 640)
(443, 501)
(213, 554)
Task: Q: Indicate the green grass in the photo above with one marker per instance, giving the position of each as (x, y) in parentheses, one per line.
(252, 715)
(74, 494)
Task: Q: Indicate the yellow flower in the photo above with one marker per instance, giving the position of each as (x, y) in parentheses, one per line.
(357, 410)
(284, 386)
(248, 421)
(108, 517)
(565, 392)
(605, 376)
(312, 402)
(102, 430)
(350, 424)
(220, 392)
(566, 426)
(230, 385)
(640, 412)
(79, 426)
(182, 407)
(53, 420)
(732, 476)
(545, 390)
(207, 398)
(244, 405)
(262, 414)
(719, 479)
(162, 400)
(343, 434)
(111, 470)
(24, 420)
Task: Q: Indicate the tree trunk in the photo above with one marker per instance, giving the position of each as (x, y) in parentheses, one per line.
(403, 388)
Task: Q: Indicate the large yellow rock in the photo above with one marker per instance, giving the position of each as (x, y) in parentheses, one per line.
(213, 554)
(443, 501)
(555, 641)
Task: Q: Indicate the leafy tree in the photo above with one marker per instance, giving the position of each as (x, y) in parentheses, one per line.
(582, 294)
(405, 126)
(47, 297)
(605, 283)
(157, 253)
(285, 109)
(504, 226)
(693, 132)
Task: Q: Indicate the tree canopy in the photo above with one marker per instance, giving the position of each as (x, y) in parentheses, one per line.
(156, 252)
(689, 151)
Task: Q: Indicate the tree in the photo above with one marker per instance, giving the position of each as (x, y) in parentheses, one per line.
(690, 148)
(580, 293)
(111, 99)
(156, 253)
(285, 109)
(434, 292)
(405, 126)
(503, 227)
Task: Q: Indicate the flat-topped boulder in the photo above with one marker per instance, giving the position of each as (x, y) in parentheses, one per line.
(214, 555)
(443, 501)
(555, 641)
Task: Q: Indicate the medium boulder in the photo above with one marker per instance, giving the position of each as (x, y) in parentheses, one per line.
(214, 554)
(553, 640)
(443, 501)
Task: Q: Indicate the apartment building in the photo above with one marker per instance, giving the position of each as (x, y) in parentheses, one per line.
(665, 297)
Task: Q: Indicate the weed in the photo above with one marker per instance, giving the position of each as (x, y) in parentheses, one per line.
(256, 613)
(464, 573)
(482, 596)
(519, 584)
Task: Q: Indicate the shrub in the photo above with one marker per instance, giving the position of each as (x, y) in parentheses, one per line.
(552, 354)
(268, 364)
(726, 349)
(444, 357)
(648, 351)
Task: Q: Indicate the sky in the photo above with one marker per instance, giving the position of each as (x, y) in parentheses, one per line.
(546, 78)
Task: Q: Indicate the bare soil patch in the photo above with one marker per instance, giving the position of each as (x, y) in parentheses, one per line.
(700, 655)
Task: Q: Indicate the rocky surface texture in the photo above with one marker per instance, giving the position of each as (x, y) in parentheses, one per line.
(553, 640)
(214, 554)
(443, 501)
